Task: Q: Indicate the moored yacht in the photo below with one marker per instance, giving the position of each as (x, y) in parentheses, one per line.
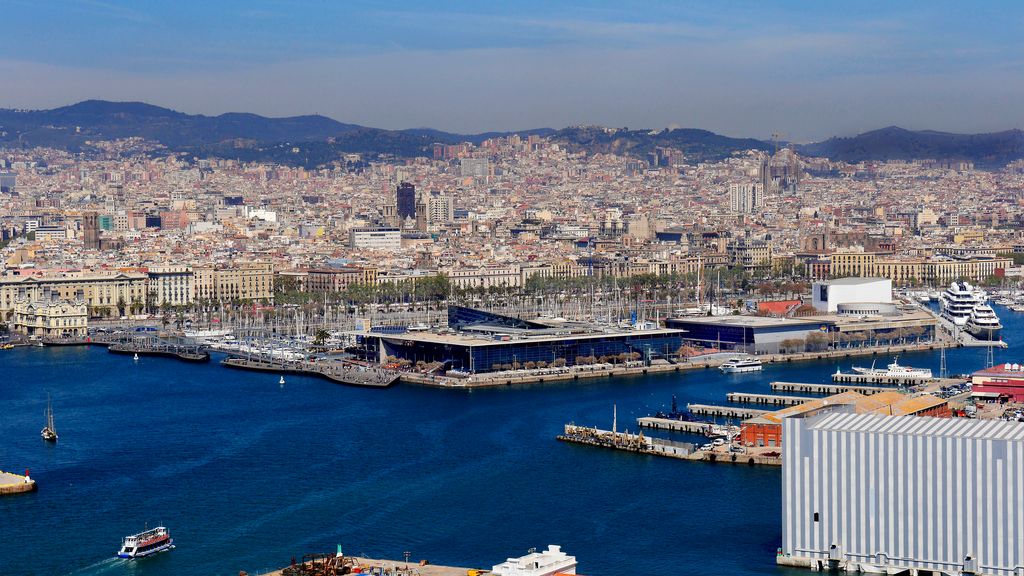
(983, 323)
(958, 301)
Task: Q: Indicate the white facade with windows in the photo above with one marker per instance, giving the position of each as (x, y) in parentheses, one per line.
(375, 238)
(892, 493)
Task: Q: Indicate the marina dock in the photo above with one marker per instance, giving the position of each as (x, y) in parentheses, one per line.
(826, 389)
(188, 353)
(724, 411)
(333, 371)
(690, 427)
(372, 566)
(640, 444)
(15, 483)
(773, 399)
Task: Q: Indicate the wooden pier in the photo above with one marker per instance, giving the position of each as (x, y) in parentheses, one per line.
(724, 411)
(827, 389)
(773, 399)
(333, 371)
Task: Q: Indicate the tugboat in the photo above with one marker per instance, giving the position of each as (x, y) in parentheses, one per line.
(146, 543)
(49, 432)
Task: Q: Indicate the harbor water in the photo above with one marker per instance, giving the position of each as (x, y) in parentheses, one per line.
(247, 473)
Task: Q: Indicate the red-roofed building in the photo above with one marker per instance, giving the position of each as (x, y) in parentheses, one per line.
(777, 307)
(1003, 382)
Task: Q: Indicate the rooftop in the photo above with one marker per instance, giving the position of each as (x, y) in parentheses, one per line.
(751, 321)
(931, 427)
(852, 281)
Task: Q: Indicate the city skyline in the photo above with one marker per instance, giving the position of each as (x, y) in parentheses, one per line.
(735, 70)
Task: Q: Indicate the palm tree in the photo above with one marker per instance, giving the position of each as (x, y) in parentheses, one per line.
(321, 337)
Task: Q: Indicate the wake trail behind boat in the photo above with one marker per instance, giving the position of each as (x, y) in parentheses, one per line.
(101, 567)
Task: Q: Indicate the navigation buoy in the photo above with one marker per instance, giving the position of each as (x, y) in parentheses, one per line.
(281, 381)
(136, 357)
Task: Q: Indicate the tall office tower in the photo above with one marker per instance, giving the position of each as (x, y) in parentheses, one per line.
(746, 197)
(406, 200)
(91, 231)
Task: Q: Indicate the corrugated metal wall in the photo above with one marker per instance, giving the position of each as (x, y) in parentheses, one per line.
(907, 500)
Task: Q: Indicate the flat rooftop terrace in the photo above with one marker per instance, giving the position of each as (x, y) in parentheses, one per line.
(466, 339)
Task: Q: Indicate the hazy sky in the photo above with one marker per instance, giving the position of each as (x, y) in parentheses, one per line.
(806, 69)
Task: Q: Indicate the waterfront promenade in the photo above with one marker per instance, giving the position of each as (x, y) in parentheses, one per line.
(508, 378)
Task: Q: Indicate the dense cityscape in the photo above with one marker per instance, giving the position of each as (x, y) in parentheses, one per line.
(289, 346)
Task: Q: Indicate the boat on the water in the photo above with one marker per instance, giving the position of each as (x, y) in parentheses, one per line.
(546, 563)
(894, 370)
(983, 323)
(741, 364)
(49, 432)
(152, 541)
(957, 302)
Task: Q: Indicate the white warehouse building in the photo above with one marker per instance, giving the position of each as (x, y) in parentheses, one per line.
(887, 494)
(851, 293)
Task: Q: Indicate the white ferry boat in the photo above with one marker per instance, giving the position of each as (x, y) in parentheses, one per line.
(145, 543)
(958, 301)
(983, 323)
(741, 364)
(547, 563)
(894, 370)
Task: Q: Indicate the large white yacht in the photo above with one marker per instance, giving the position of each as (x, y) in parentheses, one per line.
(545, 563)
(958, 302)
(739, 364)
(983, 323)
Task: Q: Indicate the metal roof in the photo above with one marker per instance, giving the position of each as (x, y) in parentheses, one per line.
(918, 426)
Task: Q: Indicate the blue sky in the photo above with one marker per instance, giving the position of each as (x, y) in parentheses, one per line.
(806, 69)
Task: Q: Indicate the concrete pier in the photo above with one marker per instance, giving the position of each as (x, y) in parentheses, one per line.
(394, 567)
(774, 400)
(827, 389)
(724, 411)
(674, 425)
(334, 371)
(15, 483)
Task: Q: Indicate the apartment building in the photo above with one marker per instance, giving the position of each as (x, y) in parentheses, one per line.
(249, 281)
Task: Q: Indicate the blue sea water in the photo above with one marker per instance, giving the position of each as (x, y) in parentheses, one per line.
(248, 474)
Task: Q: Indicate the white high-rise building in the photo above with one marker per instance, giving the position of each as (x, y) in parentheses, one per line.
(440, 208)
(746, 197)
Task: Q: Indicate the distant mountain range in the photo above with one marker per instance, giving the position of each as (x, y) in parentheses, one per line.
(894, 143)
(316, 140)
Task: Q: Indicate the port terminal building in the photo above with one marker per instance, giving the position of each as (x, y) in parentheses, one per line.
(767, 335)
(880, 494)
(479, 341)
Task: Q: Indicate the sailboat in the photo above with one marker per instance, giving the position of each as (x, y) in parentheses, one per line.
(49, 433)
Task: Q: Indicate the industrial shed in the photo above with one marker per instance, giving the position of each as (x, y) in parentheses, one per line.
(888, 494)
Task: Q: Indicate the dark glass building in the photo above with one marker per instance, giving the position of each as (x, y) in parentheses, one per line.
(406, 200)
(486, 342)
